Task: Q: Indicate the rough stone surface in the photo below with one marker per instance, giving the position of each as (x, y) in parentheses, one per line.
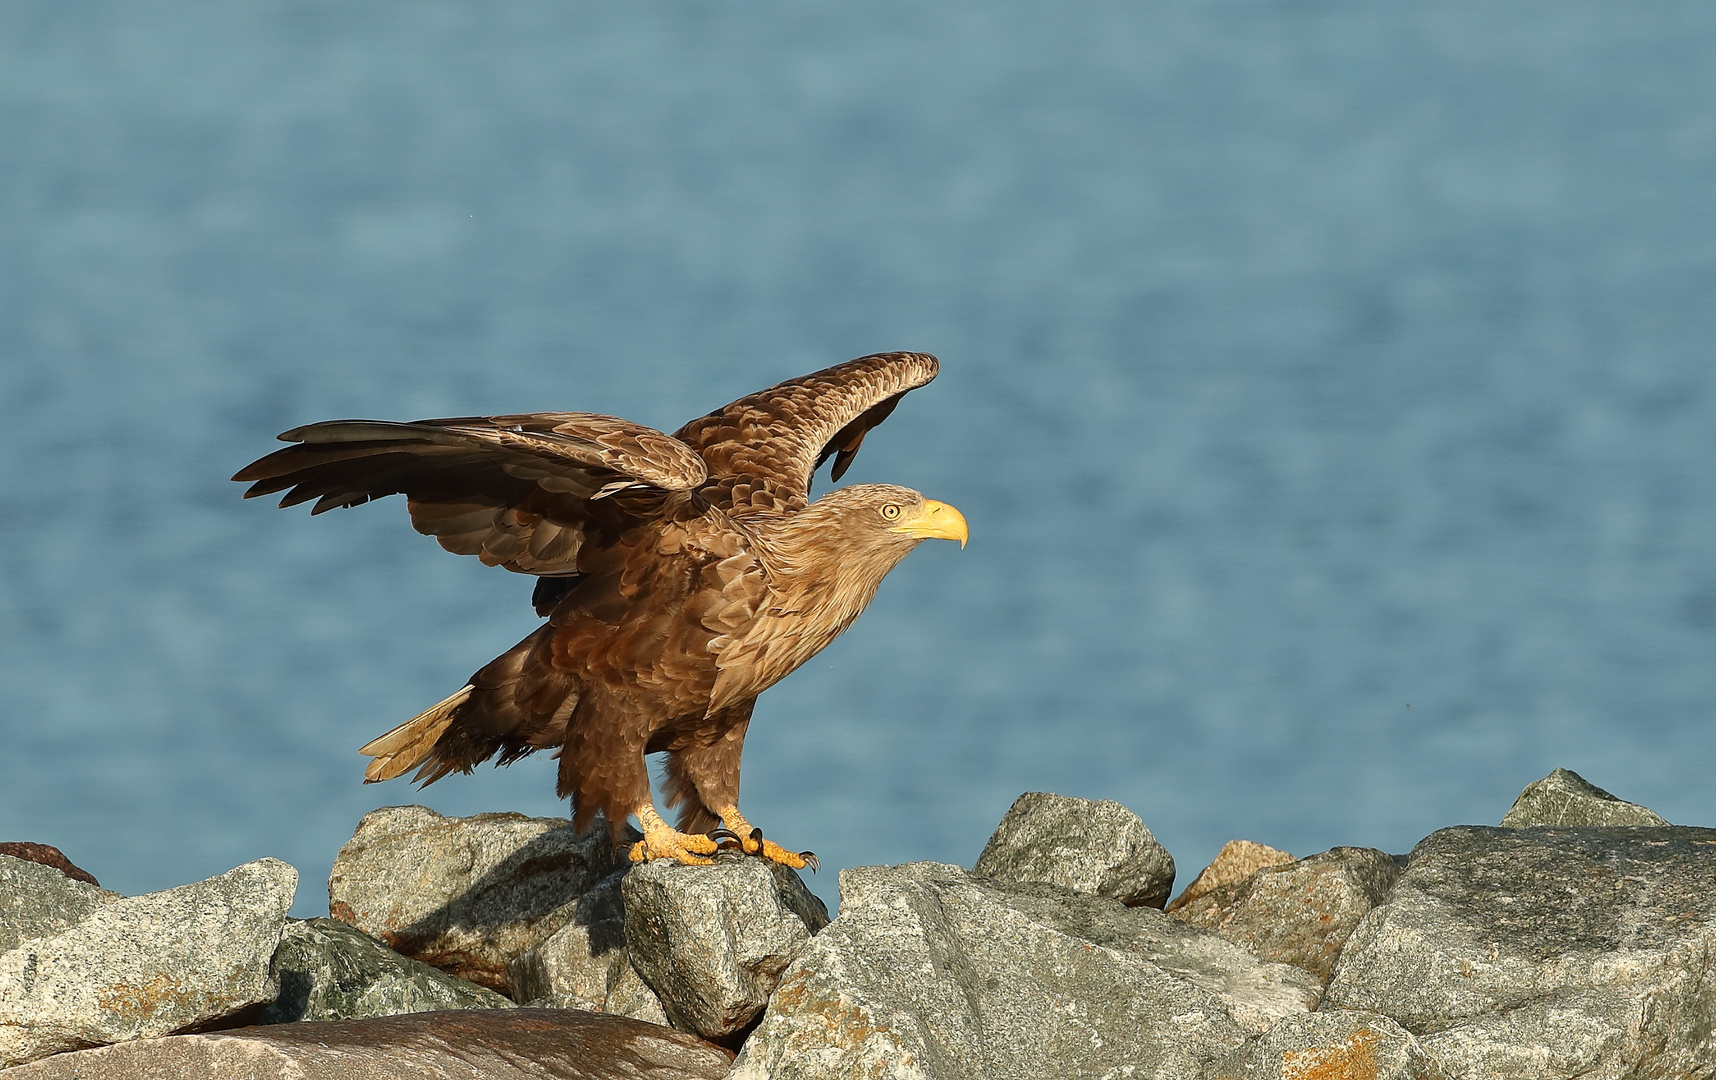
(146, 965)
(48, 855)
(584, 964)
(1547, 952)
(712, 941)
(465, 895)
(1566, 798)
(931, 971)
(1329, 1045)
(1096, 847)
(514, 1044)
(327, 970)
(1236, 861)
(37, 900)
(1298, 913)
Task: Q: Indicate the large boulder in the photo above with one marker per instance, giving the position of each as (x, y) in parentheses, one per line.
(1547, 952)
(1096, 847)
(1236, 861)
(712, 941)
(1329, 1045)
(585, 965)
(37, 900)
(932, 971)
(139, 966)
(1298, 913)
(1566, 798)
(327, 970)
(514, 1044)
(465, 895)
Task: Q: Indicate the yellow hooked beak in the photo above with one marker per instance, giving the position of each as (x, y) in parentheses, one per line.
(934, 521)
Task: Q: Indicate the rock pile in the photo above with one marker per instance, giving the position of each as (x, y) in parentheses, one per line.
(1572, 940)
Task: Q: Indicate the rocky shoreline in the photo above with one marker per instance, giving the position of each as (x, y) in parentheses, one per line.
(1573, 939)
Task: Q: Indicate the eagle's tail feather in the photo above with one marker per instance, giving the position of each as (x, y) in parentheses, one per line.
(412, 742)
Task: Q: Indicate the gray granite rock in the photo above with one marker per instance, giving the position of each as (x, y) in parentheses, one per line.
(38, 900)
(1329, 1045)
(712, 941)
(512, 1044)
(1547, 952)
(327, 970)
(146, 965)
(465, 895)
(1566, 798)
(932, 971)
(1298, 913)
(1089, 846)
(584, 964)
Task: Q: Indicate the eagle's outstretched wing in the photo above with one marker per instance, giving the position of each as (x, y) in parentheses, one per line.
(762, 450)
(515, 491)
(524, 491)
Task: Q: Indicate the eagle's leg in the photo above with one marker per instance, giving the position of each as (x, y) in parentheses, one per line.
(663, 841)
(703, 782)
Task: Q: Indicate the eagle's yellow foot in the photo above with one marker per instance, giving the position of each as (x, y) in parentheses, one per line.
(750, 841)
(768, 849)
(662, 841)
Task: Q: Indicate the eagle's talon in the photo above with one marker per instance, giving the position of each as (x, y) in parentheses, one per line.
(726, 839)
(811, 860)
(685, 848)
(773, 852)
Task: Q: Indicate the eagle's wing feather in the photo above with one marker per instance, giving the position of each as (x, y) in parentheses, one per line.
(516, 491)
(763, 449)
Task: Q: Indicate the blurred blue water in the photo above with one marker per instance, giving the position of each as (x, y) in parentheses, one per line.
(1327, 386)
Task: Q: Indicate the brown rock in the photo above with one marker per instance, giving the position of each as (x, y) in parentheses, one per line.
(48, 855)
(1298, 913)
(1236, 861)
(465, 1044)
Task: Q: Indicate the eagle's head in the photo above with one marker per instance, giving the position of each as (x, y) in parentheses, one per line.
(850, 538)
(889, 516)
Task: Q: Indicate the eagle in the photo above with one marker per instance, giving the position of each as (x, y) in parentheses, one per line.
(679, 576)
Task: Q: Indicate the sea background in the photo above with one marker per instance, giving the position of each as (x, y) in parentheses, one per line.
(1328, 387)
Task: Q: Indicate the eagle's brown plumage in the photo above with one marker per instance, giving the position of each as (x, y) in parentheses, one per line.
(680, 576)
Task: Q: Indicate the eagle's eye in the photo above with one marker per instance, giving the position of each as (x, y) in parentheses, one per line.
(892, 511)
